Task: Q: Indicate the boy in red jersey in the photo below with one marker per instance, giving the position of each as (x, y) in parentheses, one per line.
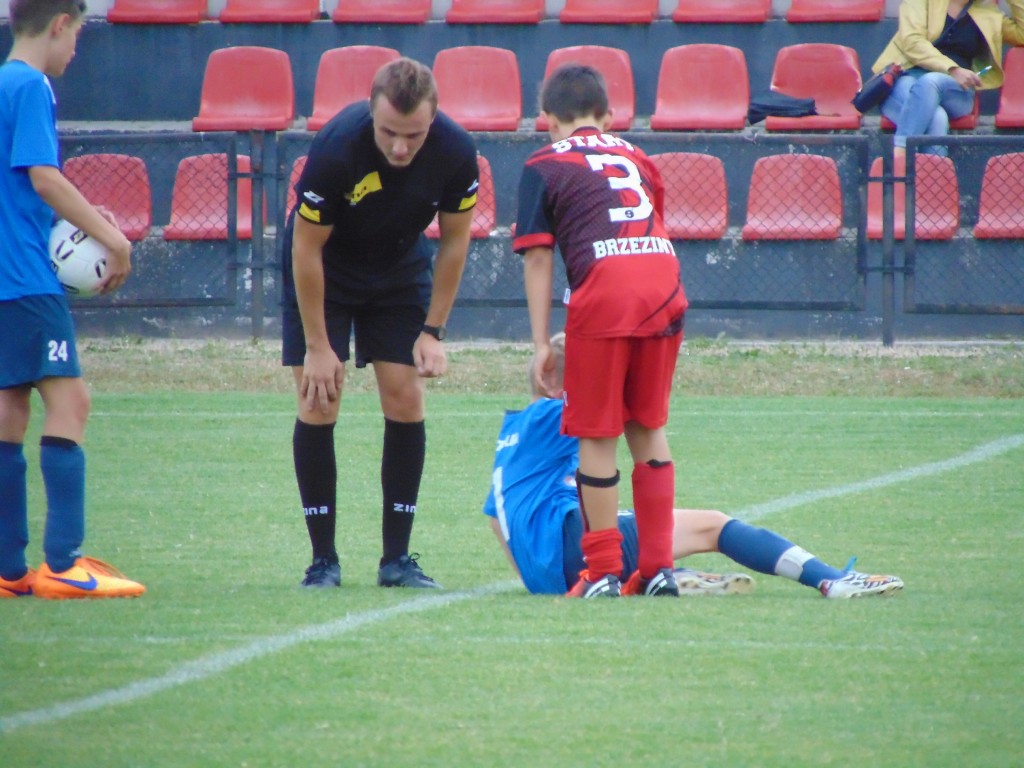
(600, 200)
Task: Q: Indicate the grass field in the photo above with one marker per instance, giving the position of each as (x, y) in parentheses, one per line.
(911, 459)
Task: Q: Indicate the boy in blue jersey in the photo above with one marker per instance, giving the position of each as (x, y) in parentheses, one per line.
(42, 354)
(534, 511)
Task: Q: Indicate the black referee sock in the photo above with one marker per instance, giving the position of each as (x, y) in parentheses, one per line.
(317, 476)
(405, 447)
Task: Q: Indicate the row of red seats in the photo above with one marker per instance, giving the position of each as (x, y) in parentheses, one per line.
(491, 11)
(702, 86)
(199, 200)
(799, 197)
(791, 197)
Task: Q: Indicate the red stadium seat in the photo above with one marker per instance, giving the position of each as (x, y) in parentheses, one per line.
(936, 199)
(835, 10)
(608, 11)
(344, 76)
(485, 213)
(696, 196)
(478, 86)
(826, 72)
(614, 64)
(270, 11)
(199, 201)
(702, 87)
(381, 12)
(293, 179)
(495, 12)
(246, 88)
(157, 11)
(1011, 98)
(1000, 213)
(120, 184)
(722, 11)
(966, 123)
(794, 197)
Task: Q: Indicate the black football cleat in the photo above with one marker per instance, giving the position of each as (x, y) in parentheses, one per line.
(405, 572)
(324, 572)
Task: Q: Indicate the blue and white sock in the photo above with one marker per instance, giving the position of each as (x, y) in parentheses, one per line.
(767, 552)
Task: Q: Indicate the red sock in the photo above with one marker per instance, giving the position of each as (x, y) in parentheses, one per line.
(602, 551)
(654, 489)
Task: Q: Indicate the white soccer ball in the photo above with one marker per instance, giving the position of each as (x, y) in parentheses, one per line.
(79, 262)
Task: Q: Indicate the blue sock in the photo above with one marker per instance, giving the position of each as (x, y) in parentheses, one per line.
(63, 464)
(765, 551)
(13, 511)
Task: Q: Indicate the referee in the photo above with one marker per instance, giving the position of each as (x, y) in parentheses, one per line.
(356, 261)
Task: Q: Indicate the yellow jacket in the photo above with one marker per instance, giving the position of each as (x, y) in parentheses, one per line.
(921, 22)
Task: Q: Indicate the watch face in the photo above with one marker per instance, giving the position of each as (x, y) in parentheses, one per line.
(437, 331)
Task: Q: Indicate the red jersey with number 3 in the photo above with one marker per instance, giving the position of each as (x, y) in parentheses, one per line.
(600, 200)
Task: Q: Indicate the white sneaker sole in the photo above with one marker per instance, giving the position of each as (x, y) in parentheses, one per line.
(698, 583)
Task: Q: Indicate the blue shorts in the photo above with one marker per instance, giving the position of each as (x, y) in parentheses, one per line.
(43, 345)
(572, 550)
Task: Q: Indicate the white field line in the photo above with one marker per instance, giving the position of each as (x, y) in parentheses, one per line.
(973, 456)
(217, 663)
(214, 664)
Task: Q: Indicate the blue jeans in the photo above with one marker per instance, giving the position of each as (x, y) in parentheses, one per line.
(922, 102)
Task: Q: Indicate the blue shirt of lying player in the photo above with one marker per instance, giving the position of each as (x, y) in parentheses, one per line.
(533, 461)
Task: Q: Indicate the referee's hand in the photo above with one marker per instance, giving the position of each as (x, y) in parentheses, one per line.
(429, 357)
(322, 376)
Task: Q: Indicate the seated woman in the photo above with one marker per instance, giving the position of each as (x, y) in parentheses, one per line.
(948, 49)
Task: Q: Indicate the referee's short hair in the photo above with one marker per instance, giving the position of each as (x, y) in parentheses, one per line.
(572, 91)
(406, 84)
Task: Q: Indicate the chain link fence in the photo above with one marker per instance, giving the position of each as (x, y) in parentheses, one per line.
(964, 219)
(171, 197)
(760, 222)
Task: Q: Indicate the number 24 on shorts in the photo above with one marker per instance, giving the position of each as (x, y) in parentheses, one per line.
(58, 351)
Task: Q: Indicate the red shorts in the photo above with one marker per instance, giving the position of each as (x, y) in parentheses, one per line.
(609, 382)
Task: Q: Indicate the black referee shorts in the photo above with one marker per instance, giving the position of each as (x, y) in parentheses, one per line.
(385, 329)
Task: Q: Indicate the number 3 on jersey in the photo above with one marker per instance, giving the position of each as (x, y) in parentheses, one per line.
(58, 351)
(630, 181)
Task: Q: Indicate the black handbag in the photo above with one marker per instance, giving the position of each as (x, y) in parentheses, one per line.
(877, 89)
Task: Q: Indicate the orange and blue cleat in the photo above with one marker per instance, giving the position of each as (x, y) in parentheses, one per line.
(19, 587)
(87, 578)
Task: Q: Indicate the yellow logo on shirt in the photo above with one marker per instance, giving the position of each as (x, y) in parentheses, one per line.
(309, 214)
(369, 183)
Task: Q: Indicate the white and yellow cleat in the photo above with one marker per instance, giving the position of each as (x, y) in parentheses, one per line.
(87, 578)
(856, 584)
(692, 582)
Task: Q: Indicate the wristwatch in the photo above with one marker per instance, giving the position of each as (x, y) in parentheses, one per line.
(437, 331)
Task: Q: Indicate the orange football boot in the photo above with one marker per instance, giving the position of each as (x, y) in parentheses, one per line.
(19, 587)
(87, 578)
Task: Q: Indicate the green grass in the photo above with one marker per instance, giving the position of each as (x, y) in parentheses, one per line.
(191, 491)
